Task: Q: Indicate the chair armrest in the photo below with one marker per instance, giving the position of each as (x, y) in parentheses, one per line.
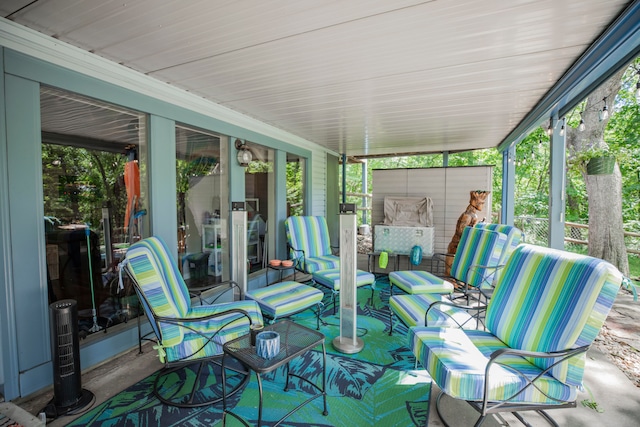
(441, 256)
(494, 359)
(297, 251)
(467, 308)
(480, 267)
(196, 291)
(231, 284)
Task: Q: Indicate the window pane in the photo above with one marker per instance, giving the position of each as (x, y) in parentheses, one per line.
(259, 195)
(202, 203)
(94, 202)
(295, 185)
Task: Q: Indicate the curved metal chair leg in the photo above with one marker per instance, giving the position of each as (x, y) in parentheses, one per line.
(175, 395)
(439, 412)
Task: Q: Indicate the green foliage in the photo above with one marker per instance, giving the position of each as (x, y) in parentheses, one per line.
(295, 188)
(78, 182)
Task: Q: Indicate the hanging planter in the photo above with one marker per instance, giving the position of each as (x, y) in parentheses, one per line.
(601, 165)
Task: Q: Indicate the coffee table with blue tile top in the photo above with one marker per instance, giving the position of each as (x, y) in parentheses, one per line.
(295, 340)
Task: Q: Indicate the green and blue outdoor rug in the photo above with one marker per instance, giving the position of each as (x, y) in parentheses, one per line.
(377, 386)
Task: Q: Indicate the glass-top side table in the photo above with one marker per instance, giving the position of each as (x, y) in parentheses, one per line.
(295, 340)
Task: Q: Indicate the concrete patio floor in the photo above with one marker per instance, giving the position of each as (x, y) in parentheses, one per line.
(615, 394)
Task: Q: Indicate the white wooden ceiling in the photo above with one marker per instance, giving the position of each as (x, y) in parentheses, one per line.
(362, 77)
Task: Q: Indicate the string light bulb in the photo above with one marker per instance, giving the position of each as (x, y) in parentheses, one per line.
(550, 127)
(638, 89)
(604, 114)
(562, 131)
(581, 126)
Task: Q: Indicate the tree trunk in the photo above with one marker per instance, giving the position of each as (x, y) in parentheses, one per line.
(604, 192)
(606, 229)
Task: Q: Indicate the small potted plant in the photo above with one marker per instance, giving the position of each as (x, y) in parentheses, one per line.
(598, 160)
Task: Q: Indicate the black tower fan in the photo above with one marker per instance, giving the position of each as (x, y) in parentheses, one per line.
(68, 395)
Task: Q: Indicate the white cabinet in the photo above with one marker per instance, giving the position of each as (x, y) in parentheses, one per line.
(211, 243)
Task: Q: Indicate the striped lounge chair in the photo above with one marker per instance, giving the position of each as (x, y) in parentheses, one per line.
(186, 334)
(514, 237)
(309, 243)
(547, 308)
(474, 263)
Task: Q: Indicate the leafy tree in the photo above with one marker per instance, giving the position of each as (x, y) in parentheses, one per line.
(604, 192)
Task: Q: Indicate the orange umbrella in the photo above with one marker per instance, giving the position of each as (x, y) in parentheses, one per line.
(132, 184)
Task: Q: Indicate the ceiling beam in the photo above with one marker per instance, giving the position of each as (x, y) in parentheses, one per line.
(618, 45)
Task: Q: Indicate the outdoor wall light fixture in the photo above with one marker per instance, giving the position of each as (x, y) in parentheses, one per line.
(244, 154)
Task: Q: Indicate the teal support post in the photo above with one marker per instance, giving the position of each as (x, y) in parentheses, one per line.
(344, 178)
(508, 185)
(557, 184)
(162, 178)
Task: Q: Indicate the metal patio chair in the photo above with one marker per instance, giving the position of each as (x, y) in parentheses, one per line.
(188, 336)
(547, 308)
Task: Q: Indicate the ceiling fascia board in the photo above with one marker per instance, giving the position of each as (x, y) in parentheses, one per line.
(615, 48)
(30, 42)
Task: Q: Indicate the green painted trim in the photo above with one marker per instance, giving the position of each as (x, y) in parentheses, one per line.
(22, 65)
(280, 201)
(163, 215)
(28, 252)
(9, 384)
(614, 49)
(333, 197)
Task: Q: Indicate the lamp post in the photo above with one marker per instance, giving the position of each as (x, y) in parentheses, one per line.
(348, 341)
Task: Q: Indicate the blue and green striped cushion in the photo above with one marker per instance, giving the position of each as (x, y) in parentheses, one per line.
(161, 283)
(285, 298)
(309, 234)
(456, 360)
(477, 247)
(331, 278)
(325, 262)
(158, 278)
(195, 346)
(545, 300)
(411, 309)
(514, 237)
(564, 305)
(420, 282)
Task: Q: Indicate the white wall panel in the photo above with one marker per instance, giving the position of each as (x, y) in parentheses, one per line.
(448, 188)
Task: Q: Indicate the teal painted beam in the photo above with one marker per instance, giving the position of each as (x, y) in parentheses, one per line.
(280, 204)
(162, 211)
(9, 384)
(19, 64)
(28, 251)
(557, 189)
(616, 47)
(508, 185)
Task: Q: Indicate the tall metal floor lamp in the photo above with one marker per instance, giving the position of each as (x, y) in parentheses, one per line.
(348, 341)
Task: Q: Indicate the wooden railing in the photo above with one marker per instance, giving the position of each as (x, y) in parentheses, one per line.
(586, 242)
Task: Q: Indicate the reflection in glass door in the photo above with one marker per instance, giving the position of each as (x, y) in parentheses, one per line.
(94, 187)
(259, 196)
(202, 203)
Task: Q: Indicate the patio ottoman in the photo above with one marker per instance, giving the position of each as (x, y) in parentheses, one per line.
(287, 298)
(331, 279)
(411, 310)
(419, 282)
